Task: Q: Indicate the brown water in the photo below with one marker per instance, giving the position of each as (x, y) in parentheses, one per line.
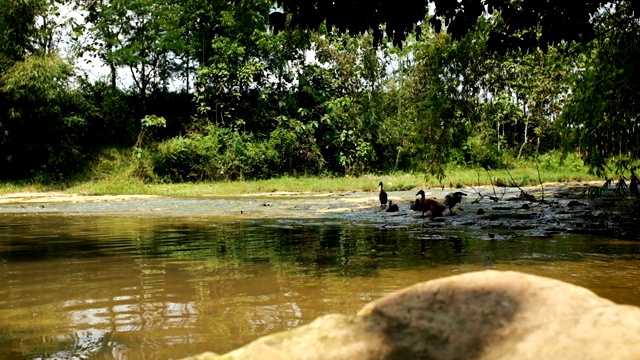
(115, 287)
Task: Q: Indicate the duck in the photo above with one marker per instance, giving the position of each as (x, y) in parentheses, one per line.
(415, 205)
(434, 208)
(392, 207)
(383, 195)
(419, 205)
(451, 200)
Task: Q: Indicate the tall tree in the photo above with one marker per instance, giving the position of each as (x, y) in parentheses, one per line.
(557, 20)
(604, 109)
(43, 120)
(17, 30)
(610, 25)
(235, 61)
(143, 36)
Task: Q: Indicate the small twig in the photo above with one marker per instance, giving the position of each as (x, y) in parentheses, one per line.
(539, 178)
(523, 194)
(478, 173)
(633, 184)
(479, 193)
(495, 196)
(620, 186)
(513, 181)
(491, 181)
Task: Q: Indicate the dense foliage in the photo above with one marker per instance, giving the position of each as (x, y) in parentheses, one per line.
(219, 90)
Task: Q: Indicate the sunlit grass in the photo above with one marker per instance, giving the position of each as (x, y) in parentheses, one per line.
(457, 178)
(282, 184)
(10, 187)
(521, 176)
(113, 173)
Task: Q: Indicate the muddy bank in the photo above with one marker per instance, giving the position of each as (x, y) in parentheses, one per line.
(494, 213)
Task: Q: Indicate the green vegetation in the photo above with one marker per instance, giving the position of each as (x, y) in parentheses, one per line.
(222, 91)
(113, 173)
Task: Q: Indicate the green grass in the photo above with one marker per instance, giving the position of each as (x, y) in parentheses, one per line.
(113, 173)
(283, 184)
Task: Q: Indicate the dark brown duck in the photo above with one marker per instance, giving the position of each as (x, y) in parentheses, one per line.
(383, 195)
(428, 206)
(451, 200)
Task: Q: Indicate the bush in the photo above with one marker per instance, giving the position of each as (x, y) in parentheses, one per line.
(188, 159)
(486, 155)
(218, 154)
(298, 152)
(555, 160)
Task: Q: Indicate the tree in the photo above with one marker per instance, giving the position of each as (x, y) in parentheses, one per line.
(233, 64)
(440, 101)
(398, 21)
(54, 26)
(43, 124)
(17, 28)
(537, 85)
(144, 36)
(558, 20)
(611, 26)
(602, 115)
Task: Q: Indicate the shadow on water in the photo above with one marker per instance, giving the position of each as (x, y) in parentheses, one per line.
(129, 287)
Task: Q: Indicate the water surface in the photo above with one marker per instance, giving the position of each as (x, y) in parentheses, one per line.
(154, 287)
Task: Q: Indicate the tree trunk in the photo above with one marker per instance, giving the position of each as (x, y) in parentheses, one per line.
(112, 67)
(113, 75)
(498, 124)
(187, 74)
(526, 127)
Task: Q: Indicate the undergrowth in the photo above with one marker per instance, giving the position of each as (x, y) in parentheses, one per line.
(118, 171)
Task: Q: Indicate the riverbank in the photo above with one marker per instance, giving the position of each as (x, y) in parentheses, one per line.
(489, 212)
(356, 197)
(114, 174)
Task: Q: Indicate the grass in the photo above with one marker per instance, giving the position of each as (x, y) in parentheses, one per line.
(112, 173)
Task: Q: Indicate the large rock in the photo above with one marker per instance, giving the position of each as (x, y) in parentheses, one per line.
(481, 315)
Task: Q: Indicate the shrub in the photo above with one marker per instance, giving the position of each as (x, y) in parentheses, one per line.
(218, 154)
(298, 153)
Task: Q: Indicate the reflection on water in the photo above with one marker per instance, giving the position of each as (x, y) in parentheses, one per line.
(161, 288)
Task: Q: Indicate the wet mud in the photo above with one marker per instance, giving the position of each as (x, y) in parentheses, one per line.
(491, 213)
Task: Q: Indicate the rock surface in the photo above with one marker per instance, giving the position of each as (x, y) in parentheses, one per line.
(480, 315)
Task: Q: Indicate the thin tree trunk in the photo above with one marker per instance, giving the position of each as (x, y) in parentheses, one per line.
(187, 74)
(498, 124)
(112, 68)
(113, 75)
(526, 127)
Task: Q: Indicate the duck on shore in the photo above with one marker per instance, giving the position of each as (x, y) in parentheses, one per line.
(430, 206)
(418, 204)
(392, 207)
(383, 195)
(453, 199)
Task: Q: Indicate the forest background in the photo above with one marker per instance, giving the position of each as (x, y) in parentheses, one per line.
(252, 89)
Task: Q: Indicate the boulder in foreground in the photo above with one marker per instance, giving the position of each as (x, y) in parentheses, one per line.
(481, 315)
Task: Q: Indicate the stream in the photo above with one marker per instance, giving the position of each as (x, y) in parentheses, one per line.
(165, 278)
